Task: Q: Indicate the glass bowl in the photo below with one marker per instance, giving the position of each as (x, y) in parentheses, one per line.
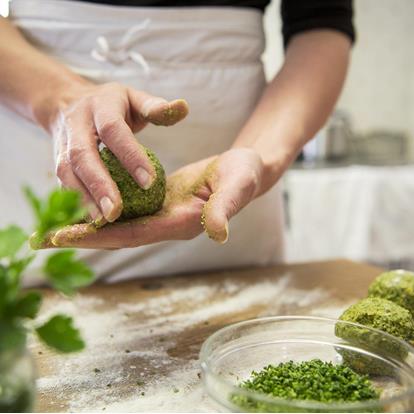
(232, 353)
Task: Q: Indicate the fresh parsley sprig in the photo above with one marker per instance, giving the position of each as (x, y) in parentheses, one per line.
(64, 272)
(59, 209)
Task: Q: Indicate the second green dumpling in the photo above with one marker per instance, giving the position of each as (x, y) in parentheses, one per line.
(396, 286)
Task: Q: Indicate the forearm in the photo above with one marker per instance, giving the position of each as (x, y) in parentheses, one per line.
(31, 83)
(298, 101)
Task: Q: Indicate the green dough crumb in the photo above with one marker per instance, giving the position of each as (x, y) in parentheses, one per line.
(137, 202)
(396, 286)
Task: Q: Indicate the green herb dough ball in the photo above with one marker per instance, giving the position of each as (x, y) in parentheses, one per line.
(137, 202)
(396, 286)
(381, 314)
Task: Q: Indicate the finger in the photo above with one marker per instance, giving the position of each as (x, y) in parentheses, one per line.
(166, 115)
(234, 182)
(182, 224)
(37, 243)
(115, 133)
(157, 110)
(88, 167)
(73, 233)
(67, 178)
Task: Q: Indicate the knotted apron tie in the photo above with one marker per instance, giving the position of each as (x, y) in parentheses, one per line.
(119, 53)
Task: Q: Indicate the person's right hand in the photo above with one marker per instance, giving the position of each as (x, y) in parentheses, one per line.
(108, 113)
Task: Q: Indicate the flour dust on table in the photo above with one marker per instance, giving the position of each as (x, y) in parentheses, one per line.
(142, 355)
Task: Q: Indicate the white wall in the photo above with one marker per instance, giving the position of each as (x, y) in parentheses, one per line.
(379, 91)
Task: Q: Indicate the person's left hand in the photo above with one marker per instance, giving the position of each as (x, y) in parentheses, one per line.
(205, 194)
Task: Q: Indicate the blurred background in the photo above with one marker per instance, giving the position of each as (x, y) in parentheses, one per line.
(351, 192)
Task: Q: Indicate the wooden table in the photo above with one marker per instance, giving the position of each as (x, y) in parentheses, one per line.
(144, 335)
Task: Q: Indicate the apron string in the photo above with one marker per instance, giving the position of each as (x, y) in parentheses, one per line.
(119, 53)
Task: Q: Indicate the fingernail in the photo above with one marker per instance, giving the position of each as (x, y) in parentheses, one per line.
(150, 104)
(107, 207)
(71, 235)
(57, 238)
(226, 233)
(143, 178)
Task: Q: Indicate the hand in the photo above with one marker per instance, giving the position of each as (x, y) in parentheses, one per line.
(110, 113)
(205, 194)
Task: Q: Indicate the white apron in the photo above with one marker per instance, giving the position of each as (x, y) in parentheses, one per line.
(210, 57)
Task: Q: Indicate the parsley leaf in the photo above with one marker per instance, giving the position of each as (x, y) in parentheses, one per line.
(9, 288)
(61, 208)
(34, 201)
(59, 333)
(16, 267)
(12, 239)
(67, 273)
(12, 335)
(26, 306)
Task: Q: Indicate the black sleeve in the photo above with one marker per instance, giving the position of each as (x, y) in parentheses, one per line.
(301, 15)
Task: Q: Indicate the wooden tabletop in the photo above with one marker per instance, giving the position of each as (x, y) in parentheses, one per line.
(143, 336)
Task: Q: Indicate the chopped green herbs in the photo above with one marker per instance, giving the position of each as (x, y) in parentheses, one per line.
(313, 380)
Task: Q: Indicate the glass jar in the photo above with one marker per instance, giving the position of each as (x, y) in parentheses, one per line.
(17, 381)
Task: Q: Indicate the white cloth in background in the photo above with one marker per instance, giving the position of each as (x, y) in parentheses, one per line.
(210, 57)
(358, 212)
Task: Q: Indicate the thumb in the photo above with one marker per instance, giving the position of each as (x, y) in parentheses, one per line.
(215, 220)
(157, 110)
(234, 180)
